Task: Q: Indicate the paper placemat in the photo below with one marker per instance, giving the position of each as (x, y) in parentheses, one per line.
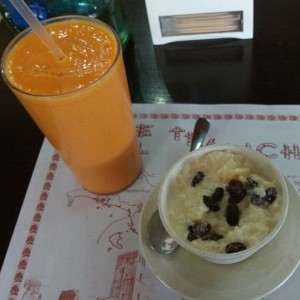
(71, 244)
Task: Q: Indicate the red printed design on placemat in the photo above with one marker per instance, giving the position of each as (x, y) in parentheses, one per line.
(229, 116)
(32, 287)
(32, 290)
(69, 295)
(122, 210)
(128, 273)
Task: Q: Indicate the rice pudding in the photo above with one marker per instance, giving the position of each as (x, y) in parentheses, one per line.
(223, 202)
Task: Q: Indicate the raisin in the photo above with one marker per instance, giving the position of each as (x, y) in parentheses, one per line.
(192, 236)
(232, 214)
(256, 199)
(238, 196)
(236, 191)
(212, 205)
(206, 237)
(216, 236)
(212, 236)
(234, 185)
(218, 194)
(252, 183)
(202, 231)
(266, 200)
(270, 195)
(235, 247)
(197, 178)
(200, 228)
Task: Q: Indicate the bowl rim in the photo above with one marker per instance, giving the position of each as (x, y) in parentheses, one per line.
(177, 166)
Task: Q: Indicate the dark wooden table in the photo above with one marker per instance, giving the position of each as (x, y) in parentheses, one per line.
(264, 70)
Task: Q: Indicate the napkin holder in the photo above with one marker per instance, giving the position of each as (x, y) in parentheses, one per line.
(178, 20)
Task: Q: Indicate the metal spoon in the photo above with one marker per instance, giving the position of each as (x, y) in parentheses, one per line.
(159, 239)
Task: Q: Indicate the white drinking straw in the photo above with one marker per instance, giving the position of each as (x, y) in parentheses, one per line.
(38, 28)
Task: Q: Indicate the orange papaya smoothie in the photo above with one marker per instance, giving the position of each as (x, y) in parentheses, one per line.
(81, 103)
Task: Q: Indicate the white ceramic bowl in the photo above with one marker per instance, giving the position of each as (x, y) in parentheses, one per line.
(263, 165)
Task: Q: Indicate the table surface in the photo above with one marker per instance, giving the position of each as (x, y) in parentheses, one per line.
(263, 70)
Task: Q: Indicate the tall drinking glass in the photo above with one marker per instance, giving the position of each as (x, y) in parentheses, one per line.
(81, 103)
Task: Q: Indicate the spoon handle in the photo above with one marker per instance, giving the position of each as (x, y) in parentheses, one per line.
(159, 239)
(200, 131)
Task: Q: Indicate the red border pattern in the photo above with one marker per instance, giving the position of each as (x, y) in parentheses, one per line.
(239, 117)
(36, 219)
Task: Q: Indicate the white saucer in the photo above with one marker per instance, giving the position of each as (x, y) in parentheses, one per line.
(257, 276)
